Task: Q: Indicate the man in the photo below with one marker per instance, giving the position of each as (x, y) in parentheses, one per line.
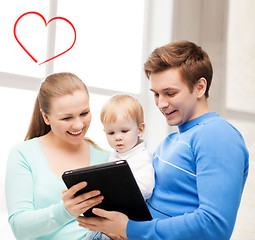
(200, 171)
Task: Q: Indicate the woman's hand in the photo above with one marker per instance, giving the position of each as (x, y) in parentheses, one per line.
(80, 204)
(114, 224)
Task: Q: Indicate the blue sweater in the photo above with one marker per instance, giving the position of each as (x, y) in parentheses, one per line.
(33, 195)
(200, 173)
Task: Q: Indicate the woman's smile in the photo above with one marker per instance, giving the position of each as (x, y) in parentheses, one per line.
(76, 133)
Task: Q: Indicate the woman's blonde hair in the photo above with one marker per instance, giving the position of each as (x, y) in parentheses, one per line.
(122, 104)
(55, 85)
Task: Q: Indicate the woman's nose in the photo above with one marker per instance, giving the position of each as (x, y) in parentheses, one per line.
(77, 124)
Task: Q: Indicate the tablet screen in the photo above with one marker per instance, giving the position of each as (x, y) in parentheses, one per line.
(116, 183)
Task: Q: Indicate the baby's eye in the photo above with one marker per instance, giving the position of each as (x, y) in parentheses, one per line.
(110, 133)
(125, 131)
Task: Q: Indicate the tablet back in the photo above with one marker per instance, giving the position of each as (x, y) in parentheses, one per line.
(116, 183)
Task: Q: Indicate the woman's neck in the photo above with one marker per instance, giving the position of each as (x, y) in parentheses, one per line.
(51, 140)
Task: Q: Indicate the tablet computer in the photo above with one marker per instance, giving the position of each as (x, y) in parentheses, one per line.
(116, 183)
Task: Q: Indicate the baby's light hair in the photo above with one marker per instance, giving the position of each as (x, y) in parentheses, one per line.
(122, 104)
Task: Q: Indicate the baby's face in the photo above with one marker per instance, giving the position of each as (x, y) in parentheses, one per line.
(123, 134)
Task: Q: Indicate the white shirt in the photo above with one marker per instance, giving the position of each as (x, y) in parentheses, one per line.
(140, 163)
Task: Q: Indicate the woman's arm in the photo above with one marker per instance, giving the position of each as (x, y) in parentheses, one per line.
(26, 221)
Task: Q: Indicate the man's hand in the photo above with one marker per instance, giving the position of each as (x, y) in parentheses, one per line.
(113, 224)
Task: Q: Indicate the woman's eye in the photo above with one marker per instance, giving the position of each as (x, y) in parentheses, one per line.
(66, 118)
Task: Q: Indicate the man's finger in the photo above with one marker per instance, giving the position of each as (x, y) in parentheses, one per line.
(102, 213)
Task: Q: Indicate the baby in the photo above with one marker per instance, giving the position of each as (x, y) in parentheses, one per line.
(122, 118)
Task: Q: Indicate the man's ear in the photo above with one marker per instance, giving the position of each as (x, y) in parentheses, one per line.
(141, 128)
(200, 87)
(45, 117)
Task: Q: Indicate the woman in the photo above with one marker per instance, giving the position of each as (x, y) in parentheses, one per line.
(54, 143)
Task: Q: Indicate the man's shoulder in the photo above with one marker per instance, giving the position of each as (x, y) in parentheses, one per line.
(218, 125)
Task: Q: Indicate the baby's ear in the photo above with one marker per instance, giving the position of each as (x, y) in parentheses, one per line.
(141, 129)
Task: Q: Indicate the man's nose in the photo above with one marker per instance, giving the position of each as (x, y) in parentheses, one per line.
(162, 102)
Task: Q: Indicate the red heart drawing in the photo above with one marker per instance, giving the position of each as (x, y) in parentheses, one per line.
(46, 23)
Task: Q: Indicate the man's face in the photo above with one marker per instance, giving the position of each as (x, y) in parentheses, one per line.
(174, 98)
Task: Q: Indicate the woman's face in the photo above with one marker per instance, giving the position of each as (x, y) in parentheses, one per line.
(69, 117)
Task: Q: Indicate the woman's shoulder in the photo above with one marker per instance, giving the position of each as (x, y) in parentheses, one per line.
(26, 145)
(24, 152)
(97, 150)
(97, 154)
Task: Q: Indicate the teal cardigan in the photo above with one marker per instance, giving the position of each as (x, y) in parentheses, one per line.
(33, 195)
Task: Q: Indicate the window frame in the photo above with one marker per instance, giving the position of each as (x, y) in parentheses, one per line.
(156, 13)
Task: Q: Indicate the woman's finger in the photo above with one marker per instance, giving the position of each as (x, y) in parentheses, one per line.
(84, 206)
(74, 189)
(77, 205)
(69, 194)
(85, 196)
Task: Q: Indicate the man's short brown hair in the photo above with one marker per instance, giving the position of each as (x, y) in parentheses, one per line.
(192, 61)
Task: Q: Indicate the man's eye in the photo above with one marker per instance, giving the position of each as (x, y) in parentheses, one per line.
(84, 114)
(171, 94)
(156, 94)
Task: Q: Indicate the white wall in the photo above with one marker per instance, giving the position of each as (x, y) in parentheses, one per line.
(223, 28)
